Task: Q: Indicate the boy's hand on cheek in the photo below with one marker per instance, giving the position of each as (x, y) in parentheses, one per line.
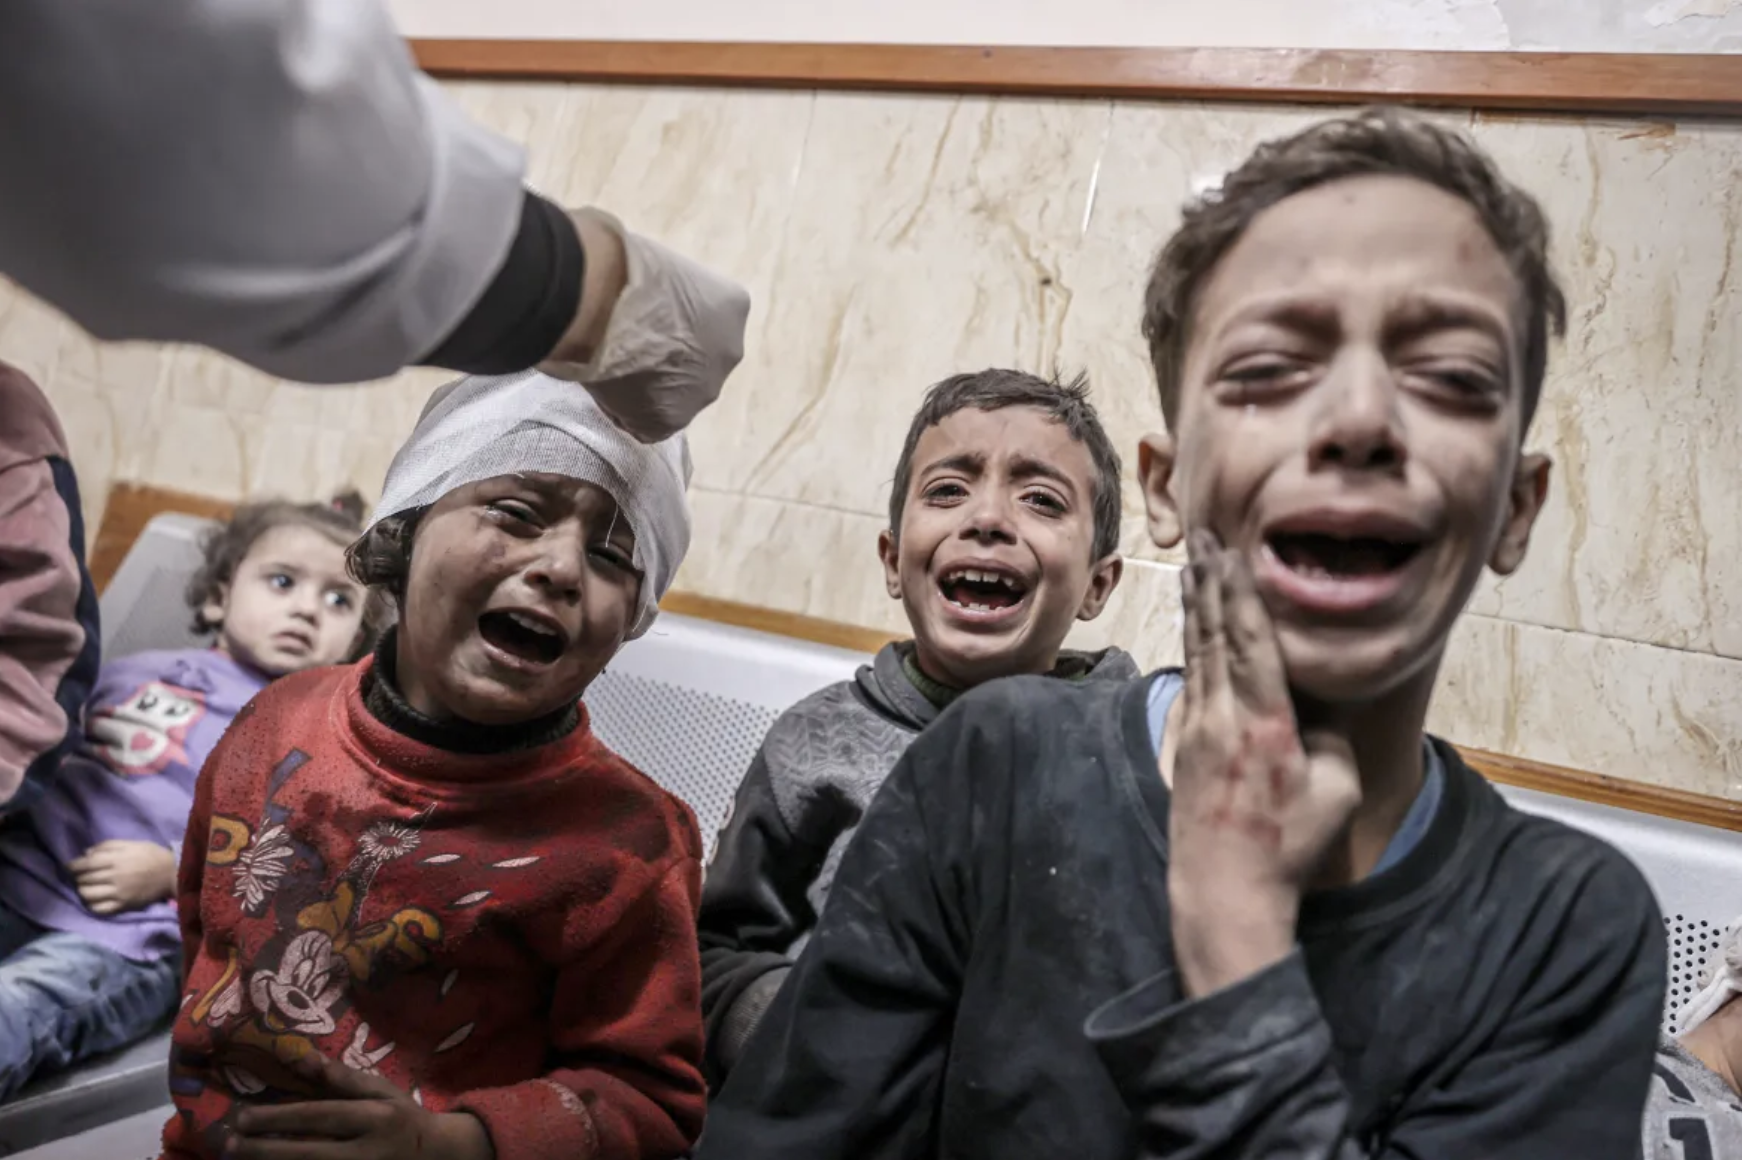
(1254, 806)
(362, 1117)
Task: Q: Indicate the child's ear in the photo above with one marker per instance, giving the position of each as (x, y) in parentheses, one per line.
(1155, 460)
(1523, 504)
(212, 611)
(1103, 578)
(886, 551)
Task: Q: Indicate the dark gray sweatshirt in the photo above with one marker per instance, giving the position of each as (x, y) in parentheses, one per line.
(793, 816)
(994, 977)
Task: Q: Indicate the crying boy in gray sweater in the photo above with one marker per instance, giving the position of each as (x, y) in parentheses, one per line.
(1003, 532)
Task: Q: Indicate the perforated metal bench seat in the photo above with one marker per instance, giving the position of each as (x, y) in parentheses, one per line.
(130, 1081)
(137, 1137)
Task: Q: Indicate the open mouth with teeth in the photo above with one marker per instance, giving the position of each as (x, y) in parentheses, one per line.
(523, 636)
(980, 590)
(1323, 556)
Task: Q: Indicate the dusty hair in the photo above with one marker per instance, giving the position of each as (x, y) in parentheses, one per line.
(224, 547)
(381, 556)
(995, 389)
(1373, 141)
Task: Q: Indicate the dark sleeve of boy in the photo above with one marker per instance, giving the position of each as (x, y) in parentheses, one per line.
(848, 1059)
(755, 904)
(1248, 1072)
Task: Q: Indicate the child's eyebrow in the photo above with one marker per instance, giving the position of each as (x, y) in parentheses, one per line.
(1021, 467)
(1414, 316)
(1027, 467)
(966, 462)
(1312, 317)
(1421, 315)
(282, 566)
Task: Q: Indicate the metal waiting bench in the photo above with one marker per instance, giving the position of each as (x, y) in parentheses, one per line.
(689, 704)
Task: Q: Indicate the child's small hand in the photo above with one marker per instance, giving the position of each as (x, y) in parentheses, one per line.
(118, 875)
(1255, 805)
(362, 1117)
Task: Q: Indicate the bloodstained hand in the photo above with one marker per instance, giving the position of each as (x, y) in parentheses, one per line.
(1255, 804)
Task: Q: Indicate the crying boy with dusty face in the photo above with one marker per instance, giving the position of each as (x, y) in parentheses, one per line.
(519, 589)
(427, 911)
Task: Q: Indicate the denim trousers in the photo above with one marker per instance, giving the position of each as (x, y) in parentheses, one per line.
(64, 998)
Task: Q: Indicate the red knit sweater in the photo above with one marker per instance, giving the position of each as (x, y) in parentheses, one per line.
(511, 935)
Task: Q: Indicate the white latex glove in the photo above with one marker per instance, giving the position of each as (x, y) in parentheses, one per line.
(676, 332)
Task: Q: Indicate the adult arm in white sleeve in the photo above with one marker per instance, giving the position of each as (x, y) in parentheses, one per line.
(271, 178)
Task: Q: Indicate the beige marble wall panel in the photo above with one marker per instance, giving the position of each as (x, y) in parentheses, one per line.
(795, 557)
(104, 395)
(539, 115)
(713, 175)
(1588, 702)
(1643, 408)
(1014, 232)
(30, 333)
(926, 238)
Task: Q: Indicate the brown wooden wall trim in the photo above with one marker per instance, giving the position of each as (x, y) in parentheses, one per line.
(1633, 83)
(1608, 791)
(131, 507)
(800, 627)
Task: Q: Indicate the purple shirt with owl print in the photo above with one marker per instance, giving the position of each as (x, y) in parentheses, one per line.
(152, 719)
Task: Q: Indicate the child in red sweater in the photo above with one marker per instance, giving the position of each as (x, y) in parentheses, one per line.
(426, 913)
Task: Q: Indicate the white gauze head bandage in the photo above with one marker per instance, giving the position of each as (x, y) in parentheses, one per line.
(481, 427)
(1723, 981)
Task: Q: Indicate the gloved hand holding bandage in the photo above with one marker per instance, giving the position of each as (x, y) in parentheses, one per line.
(675, 333)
